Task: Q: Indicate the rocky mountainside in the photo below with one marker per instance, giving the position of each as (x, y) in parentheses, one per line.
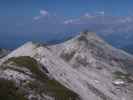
(3, 52)
(83, 68)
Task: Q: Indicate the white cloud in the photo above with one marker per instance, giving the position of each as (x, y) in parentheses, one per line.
(126, 20)
(37, 17)
(68, 21)
(100, 12)
(43, 13)
(72, 21)
(79, 20)
(88, 15)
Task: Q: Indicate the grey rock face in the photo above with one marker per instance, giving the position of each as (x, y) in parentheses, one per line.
(3, 52)
(83, 68)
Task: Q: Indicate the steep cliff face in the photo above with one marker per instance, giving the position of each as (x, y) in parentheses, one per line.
(83, 68)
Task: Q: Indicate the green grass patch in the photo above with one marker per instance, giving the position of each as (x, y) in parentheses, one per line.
(27, 62)
(59, 91)
(124, 76)
(8, 91)
(50, 86)
(54, 89)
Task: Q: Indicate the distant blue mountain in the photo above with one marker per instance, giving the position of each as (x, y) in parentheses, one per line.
(120, 40)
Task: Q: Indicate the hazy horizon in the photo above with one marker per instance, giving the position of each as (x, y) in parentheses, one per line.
(44, 20)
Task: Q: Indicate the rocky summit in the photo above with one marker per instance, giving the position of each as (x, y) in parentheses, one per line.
(82, 68)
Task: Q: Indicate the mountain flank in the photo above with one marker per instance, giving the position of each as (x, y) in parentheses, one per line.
(82, 68)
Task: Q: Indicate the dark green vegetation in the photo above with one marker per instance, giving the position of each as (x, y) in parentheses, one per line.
(54, 89)
(29, 63)
(8, 91)
(123, 76)
(50, 87)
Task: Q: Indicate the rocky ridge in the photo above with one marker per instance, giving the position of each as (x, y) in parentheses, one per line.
(83, 68)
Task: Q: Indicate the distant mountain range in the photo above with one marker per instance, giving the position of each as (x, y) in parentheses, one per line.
(120, 40)
(128, 48)
(116, 30)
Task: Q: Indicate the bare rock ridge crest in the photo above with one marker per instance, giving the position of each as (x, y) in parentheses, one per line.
(82, 68)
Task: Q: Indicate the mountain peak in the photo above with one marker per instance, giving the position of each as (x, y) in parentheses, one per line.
(86, 33)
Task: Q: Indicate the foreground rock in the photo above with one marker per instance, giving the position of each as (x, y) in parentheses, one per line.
(83, 68)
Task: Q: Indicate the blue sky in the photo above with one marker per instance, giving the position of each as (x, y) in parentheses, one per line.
(26, 20)
(64, 7)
